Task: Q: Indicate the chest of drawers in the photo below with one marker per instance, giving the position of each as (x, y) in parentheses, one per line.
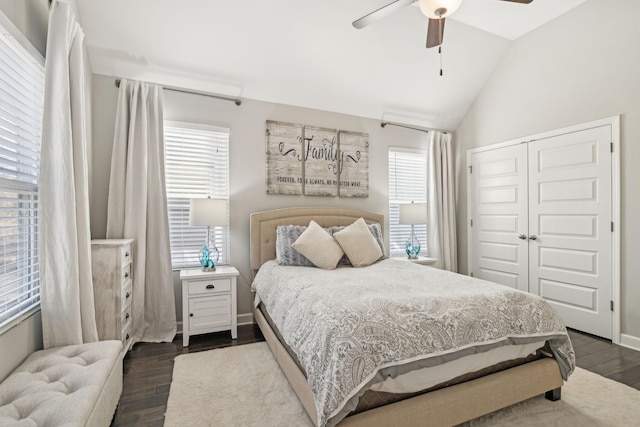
(111, 264)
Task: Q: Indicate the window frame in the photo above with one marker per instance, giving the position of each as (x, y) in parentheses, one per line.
(193, 237)
(24, 185)
(399, 233)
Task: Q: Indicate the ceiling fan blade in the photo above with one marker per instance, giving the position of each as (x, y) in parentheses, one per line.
(435, 32)
(520, 1)
(381, 13)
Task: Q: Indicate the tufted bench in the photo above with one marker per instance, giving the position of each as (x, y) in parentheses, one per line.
(75, 385)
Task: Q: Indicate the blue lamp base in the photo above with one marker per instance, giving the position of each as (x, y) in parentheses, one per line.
(412, 246)
(208, 258)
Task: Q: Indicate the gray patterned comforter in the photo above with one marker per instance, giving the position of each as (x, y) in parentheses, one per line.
(352, 327)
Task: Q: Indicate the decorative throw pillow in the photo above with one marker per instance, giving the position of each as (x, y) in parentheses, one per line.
(319, 247)
(375, 229)
(285, 253)
(358, 244)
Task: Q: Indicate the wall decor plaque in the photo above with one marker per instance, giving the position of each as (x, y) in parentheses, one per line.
(353, 164)
(284, 158)
(320, 161)
(316, 161)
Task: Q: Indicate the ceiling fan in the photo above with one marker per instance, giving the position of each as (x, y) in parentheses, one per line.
(435, 10)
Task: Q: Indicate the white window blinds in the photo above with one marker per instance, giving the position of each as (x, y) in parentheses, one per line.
(407, 183)
(196, 166)
(21, 104)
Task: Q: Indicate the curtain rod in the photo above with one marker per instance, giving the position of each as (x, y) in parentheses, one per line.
(194, 92)
(383, 124)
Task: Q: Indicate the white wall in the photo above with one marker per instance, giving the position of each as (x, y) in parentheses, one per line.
(580, 67)
(246, 161)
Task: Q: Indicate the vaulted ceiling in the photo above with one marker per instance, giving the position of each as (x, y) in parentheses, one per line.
(306, 53)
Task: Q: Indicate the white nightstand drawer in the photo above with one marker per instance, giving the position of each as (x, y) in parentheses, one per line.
(209, 312)
(209, 286)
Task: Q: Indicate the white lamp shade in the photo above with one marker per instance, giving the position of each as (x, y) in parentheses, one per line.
(413, 213)
(208, 212)
(435, 9)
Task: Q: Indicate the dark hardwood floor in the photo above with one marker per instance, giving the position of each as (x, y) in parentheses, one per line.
(148, 369)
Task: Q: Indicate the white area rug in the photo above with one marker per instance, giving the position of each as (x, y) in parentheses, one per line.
(243, 386)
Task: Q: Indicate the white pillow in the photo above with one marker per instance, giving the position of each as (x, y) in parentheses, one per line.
(319, 247)
(358, 244)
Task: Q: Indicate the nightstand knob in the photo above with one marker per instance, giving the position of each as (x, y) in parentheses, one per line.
(190, 314)
(210, 287)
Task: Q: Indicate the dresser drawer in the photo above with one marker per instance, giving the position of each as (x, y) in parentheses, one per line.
(209, 312)
(210, 286)
(126, 295)
(125, 253)
(126, 273)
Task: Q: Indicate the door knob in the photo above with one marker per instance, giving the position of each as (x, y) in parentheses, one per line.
(522, 236)
(533, 236)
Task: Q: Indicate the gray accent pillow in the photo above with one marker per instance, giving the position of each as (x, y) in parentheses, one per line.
(287, 234)
(286, 254)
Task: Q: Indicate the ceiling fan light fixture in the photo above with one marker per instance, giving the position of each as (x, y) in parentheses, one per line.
(436, 9)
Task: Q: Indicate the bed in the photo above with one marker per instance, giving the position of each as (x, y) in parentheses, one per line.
(488, 389)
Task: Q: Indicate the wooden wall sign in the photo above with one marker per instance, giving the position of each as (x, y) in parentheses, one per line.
(316, 161)
(284, 158)
(354, 164)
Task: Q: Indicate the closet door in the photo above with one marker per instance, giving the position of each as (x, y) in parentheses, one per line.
(498, 200)
(570, 226)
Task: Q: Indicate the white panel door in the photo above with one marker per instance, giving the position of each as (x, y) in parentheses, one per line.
(570, 227)
(498, 197)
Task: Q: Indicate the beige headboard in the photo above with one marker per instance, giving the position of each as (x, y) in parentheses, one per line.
(264, 224)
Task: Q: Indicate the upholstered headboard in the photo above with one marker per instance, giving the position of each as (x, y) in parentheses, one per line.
(264, 224)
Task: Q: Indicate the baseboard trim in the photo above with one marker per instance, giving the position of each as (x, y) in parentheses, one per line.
(245, 319)
(630, 341)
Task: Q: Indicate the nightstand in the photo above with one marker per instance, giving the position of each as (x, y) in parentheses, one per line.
(208, 302)
(422, 260)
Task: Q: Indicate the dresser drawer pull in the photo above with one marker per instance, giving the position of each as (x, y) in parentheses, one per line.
(126, 274)
(127, 337)
(127, 295)
(190, 314)
(211, 287)
(126, 317)
(126, 254)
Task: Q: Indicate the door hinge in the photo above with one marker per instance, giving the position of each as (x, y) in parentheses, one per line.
(472, 223)
(612, 226)
(611, 305)
(612, 147)
(470, 168)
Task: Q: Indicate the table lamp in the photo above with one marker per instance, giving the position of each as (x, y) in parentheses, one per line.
(208, 212)
(411, 214)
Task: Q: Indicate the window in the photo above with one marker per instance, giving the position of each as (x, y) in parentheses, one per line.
(21, 105)
(196, 165)
(407, 183)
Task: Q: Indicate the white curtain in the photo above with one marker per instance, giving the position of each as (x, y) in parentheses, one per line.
(137, 208)
(441, 228)
(64, 241)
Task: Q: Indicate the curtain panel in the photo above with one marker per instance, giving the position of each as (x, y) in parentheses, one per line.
(137, 208)
(64, 241)
(441, 230)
